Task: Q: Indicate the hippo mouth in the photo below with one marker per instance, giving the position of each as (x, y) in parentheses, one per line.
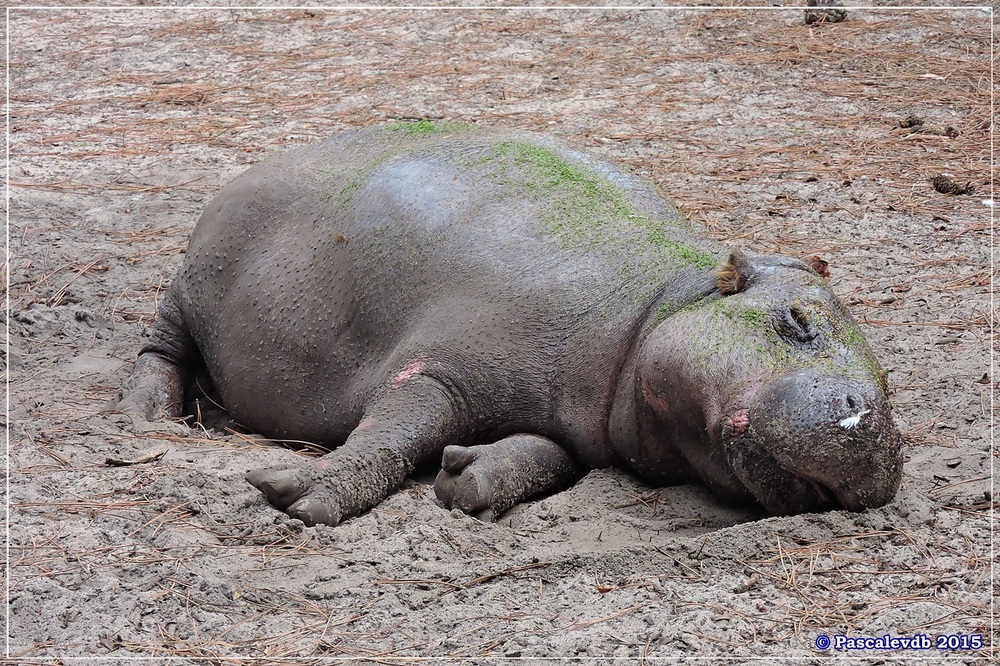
(825, 493)
(827, 497)
(778, 489)
(808, 441)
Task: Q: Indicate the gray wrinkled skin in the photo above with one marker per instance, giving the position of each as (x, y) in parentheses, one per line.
(524, 311)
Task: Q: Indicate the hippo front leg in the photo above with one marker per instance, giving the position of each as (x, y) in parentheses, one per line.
(411, 422)
(487, 480)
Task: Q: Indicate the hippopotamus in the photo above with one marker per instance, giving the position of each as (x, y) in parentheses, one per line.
(520, 310)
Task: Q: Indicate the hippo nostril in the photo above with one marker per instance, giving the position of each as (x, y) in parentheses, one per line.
(854, 402)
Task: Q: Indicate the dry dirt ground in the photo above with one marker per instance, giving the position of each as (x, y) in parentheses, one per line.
(770, 133)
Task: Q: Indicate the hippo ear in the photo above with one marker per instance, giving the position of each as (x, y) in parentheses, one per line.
(734, 275)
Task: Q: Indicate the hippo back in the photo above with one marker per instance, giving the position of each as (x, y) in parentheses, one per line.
(350, 256)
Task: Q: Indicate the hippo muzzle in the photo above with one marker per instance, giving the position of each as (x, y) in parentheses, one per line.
(812, 441)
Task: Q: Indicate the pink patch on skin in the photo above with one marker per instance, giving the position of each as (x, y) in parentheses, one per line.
(653, 400)
(413, 368)
(739, 422)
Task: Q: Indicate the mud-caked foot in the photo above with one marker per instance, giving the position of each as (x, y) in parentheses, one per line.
(301, 492)
(487, 480)
(155, 389)
(335, 487)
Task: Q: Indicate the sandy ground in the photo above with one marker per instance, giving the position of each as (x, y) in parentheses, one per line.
(769, 133)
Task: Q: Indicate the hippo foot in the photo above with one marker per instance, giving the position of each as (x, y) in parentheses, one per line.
(155, 389)
(484, 481)
(335, 487)
(299, 492)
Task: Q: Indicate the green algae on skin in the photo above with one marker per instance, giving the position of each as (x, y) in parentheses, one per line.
(587, 201)
(732, 309)
(853, 359)
(425, 127)
(850, 334)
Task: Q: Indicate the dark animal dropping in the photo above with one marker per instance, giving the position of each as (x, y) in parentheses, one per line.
(945, 185)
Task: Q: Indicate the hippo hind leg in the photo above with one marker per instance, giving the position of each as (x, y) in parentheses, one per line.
(156, 385)
(489, 479)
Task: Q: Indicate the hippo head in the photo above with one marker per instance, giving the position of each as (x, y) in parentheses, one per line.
(769, 391)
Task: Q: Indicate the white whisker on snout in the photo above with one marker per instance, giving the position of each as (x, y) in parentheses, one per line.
(852, 422)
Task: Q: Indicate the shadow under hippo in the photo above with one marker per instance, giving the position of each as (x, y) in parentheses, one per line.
(520, 310)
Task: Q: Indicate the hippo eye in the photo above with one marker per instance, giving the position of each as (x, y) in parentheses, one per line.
(795, 323)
